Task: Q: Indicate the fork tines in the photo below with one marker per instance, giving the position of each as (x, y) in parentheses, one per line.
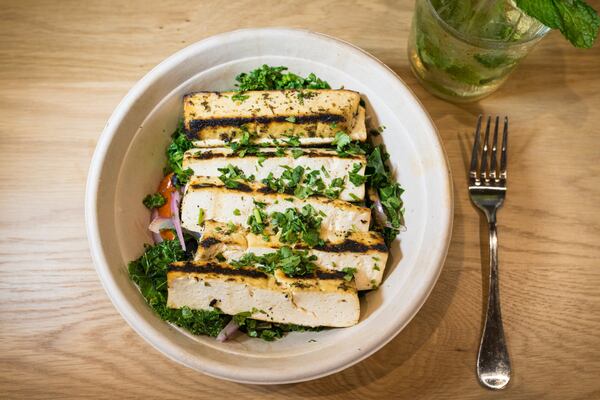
(487, 173)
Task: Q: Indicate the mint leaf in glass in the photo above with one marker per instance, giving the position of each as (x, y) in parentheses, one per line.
(575, 19)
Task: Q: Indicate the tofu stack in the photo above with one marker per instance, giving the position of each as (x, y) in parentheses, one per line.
(323, 300)
(206, 162)
(364, 251)
(213, 119)
(221, 212)
(214, 200)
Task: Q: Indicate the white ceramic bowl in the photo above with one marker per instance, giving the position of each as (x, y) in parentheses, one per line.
(129, 158)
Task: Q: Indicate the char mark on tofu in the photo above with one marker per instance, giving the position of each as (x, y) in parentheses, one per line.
(208, 242)
(320, 274)
(215, 268)
(196, 125)
(241, 187)
(351, 246)
(318, 152)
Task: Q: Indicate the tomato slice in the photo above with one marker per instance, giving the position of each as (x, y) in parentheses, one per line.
(166, 189)
(167, 234)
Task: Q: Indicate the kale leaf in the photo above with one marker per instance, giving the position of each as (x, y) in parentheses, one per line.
(265, 330)
(277, 78)
(389, 191)
(149, 272)
(179, 145)
(154, 200)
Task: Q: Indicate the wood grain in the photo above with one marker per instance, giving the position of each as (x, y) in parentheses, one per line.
(64, 65)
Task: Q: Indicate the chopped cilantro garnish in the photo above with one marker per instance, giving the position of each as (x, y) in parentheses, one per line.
(236, 212)
(265, 330)
(245, 145)
(349, 273)
(345, 146)
(258, 220)
(356, 178)
(261, 159)
(179, 145)
(201, 216)
(335, 188)
(231, 175)
(291, 262)
(297, 153)
(355, 197)
(389, 191)
(231, 227)
(240, 96)
(295, 225)
(303, 184)
(292, 141)
(155, 200)
(341, 140)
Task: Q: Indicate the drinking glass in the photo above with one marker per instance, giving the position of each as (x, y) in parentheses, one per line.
(463, 50)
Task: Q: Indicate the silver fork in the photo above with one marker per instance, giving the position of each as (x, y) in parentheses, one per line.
(487, 189)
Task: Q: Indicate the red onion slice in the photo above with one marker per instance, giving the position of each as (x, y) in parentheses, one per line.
(155, 235)
(226, 333)
(160, 223)
(175, 200)
(381, 218)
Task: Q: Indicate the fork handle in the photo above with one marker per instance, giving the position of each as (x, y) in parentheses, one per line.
(493, 363)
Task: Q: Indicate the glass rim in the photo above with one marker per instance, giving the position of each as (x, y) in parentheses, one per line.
(485, 42)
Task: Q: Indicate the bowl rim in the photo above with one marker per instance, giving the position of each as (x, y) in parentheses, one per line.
(118, 298)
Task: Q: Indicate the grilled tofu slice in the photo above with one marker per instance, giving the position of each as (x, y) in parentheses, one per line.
(364, 251)
(218, 203)
(323, 300)
(212, 119)
(206, 162)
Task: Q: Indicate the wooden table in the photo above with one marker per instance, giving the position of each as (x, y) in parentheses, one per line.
(64, 66)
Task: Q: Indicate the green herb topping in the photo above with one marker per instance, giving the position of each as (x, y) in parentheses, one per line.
(296, 226)
(231, 175)
(302, 184)
(179, 145)
(265, 330)
(277, 78)
(345, 146)
(355, 177)
(293, 263)
(258, 220)
(155, 200)
(149, 272)
(349, 273)
(240, 97)
(245, 144)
